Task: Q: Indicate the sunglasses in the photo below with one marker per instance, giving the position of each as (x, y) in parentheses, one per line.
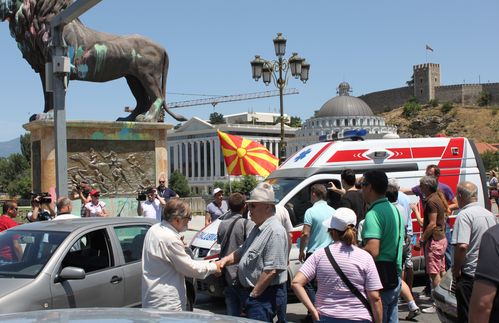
(161, 182)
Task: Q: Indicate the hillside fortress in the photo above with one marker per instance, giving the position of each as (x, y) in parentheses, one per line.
(426, 86)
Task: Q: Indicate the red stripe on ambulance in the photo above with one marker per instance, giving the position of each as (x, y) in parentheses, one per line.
(321, 151)
(348, 156)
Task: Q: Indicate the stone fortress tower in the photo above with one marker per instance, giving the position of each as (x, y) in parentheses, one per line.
(426, 78)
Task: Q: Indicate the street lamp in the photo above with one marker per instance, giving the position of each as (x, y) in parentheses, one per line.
(272, 71)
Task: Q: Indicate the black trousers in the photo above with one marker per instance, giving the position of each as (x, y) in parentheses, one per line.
(464, 287)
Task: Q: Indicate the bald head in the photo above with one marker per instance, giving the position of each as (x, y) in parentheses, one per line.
(467, 193)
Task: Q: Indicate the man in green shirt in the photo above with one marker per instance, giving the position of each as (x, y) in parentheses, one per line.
(383, 234)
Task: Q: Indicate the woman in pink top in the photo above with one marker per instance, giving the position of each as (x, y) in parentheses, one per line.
(334, 300)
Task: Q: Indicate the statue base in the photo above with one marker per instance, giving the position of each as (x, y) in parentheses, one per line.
(117, 158)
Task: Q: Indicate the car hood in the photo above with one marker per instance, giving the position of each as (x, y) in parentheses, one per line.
(10, 285)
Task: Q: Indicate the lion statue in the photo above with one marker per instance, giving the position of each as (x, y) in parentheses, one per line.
(94, 56)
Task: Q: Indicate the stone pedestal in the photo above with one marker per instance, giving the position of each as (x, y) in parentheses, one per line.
(117, 158)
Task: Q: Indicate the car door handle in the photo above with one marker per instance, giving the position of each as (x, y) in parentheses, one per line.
(116, 279)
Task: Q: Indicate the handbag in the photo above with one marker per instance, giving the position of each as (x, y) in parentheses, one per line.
(387, 270)
(347, 282)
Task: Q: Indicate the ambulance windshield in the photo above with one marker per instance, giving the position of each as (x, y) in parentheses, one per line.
(282, 186)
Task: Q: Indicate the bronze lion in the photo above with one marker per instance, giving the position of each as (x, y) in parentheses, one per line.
(94, 56)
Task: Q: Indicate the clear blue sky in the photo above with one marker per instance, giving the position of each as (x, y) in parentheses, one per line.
(370, 44)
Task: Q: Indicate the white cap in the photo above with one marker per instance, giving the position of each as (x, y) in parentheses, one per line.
(341, 219)
(263, 193)
(216, 190)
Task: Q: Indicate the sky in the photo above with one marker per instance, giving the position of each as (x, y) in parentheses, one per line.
(370, 44)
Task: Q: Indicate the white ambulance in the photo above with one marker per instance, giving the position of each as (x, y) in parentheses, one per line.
(403, 159)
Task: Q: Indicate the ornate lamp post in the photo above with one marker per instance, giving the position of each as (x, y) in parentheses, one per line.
(277, 71)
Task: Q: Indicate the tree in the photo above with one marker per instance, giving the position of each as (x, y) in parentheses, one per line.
(25, 141)
(244, 185)
(216, 118)
(411, 108)
(15, 176)
(484, 98)
(490, 160)
(178, 183)
(295, 122)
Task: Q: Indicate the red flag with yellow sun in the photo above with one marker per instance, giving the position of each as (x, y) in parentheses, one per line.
(246, 157)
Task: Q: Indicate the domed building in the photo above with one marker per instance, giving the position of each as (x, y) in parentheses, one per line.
(337, 115)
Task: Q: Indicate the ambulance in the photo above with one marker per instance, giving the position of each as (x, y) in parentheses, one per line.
(320, 163)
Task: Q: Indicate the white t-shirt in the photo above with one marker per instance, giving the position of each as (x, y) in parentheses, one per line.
(151, 210)
(283, 215)
(66, 216)
(94, 209)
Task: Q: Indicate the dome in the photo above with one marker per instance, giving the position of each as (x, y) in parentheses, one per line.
(344, 105)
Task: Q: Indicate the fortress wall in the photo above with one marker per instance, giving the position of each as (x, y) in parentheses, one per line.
(449, 93)
(493, 89)
(387, 100)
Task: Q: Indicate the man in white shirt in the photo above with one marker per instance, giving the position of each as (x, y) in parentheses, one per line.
(64, 209)
(165, 262)
(152, 206)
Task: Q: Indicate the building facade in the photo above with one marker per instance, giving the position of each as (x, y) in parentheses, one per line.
(194, 148)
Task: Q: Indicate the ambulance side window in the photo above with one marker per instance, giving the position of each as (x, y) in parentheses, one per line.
(298, 204)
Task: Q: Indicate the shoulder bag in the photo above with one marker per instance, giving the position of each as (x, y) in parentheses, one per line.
(347, 282)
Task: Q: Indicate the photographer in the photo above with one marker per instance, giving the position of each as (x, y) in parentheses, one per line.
(42, 208)
(152, 205)
(84, 194)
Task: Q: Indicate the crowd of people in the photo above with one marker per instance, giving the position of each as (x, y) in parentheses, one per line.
(356, 255)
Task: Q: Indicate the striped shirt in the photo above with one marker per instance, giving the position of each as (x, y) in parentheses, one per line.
(334, 298)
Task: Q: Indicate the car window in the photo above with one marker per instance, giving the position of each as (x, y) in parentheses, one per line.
(91, 252)
(131, 240)
(24, 253)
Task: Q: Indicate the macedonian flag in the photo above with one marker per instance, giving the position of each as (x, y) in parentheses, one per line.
(246, 157)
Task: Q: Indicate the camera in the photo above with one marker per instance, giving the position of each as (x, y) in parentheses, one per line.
(42, 198)
(142, 195)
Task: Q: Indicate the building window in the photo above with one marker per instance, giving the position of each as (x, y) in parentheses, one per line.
(346, 122)
(201, 152)
(170, 158)
(188, 157)
(184, 166)
(208, 159)
(354, 122)
(337, 122)
(195, 164)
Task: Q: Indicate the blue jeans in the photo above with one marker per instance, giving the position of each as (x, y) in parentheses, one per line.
(233, 301)
(450, 249)
(390, 303)
(328, 319)
(272, 302)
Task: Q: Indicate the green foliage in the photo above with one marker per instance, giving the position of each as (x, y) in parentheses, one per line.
(411, 81)
(411, 108)
(446, 107)
(490, 160)
(216, 118)
(25, 141)
(295, 122)
(484, 98)
(433, 103)
(244, 185)
(15, 175)
(178, 183)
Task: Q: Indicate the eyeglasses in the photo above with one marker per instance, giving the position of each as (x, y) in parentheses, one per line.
(161, 182)
(189, 217)
(364, 184)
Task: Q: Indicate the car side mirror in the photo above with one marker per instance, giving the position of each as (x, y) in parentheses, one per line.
(70, 273)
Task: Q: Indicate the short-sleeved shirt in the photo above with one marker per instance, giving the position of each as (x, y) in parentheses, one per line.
(6, 222)
(333, 297)
(166, 193)
(283, 215)
(265, 249)
(471, 223)
(433, 204)
(449, 195)
(488, 262)
(403, 200)
(151, 210)
(314, 216)
(217, 211)
(240, 231)
(383, 222)
(354, 201)
(94, 209)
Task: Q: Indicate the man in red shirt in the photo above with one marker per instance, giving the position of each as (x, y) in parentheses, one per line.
(6, 222)
(9, 213)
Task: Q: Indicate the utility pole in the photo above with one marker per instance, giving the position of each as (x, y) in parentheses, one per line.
(59, 69)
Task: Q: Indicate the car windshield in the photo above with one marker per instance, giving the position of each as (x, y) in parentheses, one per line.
(282, 186)
(23, 253)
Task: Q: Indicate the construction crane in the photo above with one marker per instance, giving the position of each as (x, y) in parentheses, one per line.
(229, 98)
